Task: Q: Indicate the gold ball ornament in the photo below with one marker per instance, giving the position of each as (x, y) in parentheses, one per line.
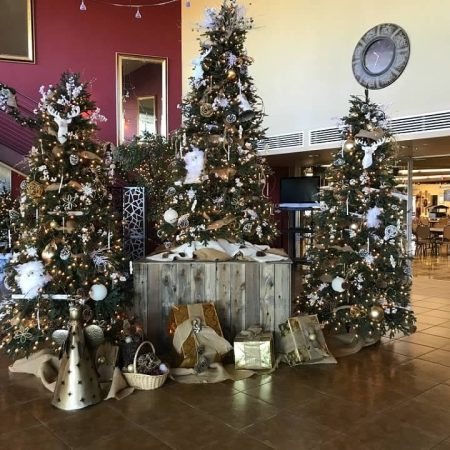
(49, 252)
(349, 144)
(231, 75)
(34, 190)
(376, 313)
(206, 110)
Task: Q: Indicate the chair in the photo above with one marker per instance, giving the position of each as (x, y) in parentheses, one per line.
(424, 221)
(423, 240)
(442, 222)
(446, 236)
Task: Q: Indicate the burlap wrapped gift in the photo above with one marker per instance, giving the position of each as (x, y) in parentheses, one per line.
(254, 350)
(196, 331)
(302, 342)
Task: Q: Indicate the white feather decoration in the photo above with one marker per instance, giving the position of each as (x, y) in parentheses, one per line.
(195, 163)
(31, 277)
(372, 217)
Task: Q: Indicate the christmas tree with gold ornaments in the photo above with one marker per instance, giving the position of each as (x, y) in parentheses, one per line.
(224, 191)
(68, 246)
(360, 273)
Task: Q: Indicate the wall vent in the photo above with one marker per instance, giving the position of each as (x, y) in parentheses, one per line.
(324, 136)
(420, 123)
(281, 141)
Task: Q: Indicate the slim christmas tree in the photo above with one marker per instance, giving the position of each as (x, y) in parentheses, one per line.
(360, 275)
(224, 192)
(68, 247)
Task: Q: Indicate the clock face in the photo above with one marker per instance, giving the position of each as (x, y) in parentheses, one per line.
(380, 56)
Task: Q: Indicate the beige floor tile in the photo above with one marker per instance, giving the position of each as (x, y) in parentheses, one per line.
(407, 348)
(285, 395)
(78, 430)
(438, 356)
(438, 331)
(36, 438)
(235, 442)
(425, 369)
(16, 418)
(297, 433)
(426, 339)
(436, 313)
(181, 431)
(444, 445)
(241, 410)
(386, 432)
(430, 319)
(438, 395)
(135, 438)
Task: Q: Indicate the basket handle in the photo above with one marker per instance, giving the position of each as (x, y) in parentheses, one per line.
(137, 353)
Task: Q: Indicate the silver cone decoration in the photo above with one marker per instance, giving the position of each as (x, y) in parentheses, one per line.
(77, 385)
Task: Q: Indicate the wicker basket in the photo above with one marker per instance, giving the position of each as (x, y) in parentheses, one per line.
(142, 381)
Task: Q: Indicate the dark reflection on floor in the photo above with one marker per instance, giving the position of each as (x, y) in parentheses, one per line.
(395, 395)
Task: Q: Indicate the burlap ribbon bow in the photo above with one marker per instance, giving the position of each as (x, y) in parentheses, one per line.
(208, 342)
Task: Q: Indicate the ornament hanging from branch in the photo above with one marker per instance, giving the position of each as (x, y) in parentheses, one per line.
(195, 164)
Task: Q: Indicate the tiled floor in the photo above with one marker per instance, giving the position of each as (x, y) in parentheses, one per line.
(395, 395)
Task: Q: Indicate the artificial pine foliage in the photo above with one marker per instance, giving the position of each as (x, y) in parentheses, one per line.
(149, 161)
(68, 242)
(360, 275)
(224, 191)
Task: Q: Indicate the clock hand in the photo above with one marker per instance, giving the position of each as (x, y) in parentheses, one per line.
(376, 61)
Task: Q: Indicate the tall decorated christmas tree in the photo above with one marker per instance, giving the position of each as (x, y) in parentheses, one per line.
(224, 191)
(360, 276)
(68, 246)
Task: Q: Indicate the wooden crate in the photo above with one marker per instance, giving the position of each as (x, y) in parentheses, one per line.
(244, 293)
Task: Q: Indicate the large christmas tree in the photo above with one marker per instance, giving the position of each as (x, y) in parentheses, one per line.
(68, 246)
(223, 194)
(360, 275)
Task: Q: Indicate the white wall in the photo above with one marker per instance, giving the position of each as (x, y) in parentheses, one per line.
(303, 51)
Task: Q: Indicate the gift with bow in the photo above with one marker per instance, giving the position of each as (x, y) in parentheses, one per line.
(197, 335)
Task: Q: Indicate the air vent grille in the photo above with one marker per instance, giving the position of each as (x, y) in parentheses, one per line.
(421, 123)
(324, 135)
(281, 141)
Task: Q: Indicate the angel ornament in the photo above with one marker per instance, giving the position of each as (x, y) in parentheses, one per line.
(77, 385)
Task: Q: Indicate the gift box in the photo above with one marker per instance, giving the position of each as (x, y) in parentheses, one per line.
(302, 341)
(254, 350)
(197, 335)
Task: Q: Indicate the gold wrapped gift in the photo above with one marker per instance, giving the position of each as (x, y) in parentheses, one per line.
(302, 341)
(254, 349)
(196, 327)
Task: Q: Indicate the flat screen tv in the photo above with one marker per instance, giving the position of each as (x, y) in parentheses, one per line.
(299, 192)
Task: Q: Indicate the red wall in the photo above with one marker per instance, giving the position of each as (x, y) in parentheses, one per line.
(87, 42)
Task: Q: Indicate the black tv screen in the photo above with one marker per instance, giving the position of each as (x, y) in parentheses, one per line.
(299, 192)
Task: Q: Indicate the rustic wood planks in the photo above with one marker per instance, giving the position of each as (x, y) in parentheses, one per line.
(244, 293)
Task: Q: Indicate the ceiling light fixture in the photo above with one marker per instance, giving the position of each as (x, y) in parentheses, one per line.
(82, 6)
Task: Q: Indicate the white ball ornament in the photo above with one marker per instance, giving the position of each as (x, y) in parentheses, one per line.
(337, 284)
(98, 292)
(171, 216)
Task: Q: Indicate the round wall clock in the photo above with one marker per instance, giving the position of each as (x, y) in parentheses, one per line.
(380, 56)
